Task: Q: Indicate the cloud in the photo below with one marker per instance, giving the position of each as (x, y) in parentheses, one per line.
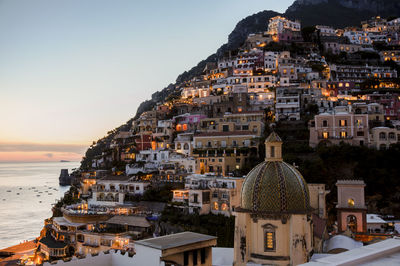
(50, 155)
(39, 147)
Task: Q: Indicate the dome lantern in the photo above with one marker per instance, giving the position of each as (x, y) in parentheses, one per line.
(273, 148)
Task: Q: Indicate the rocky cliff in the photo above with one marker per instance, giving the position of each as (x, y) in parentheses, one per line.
(341, 13)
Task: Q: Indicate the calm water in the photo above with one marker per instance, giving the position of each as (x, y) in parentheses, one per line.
(22, 207)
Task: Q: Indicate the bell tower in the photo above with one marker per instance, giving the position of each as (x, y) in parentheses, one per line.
(351, 209)
(273, 148)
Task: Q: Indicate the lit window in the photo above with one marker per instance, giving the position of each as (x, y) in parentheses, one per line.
(343, 134)
(269, 237)
(224, 207)
(325, 135)
(215, 206)
(342, 123)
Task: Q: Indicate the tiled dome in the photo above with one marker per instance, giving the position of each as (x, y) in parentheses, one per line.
(274, 186)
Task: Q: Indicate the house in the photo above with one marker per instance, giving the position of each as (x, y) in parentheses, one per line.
(375, 224)
(223, 152)
(185, 248)
(284, 30)
(287, 105)
(339, 126)
(383, 137)
(111, 190)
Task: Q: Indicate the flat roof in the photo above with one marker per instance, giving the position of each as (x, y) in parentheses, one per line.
(138, 221)
(175, 240)
(65, 222)
(386, 252)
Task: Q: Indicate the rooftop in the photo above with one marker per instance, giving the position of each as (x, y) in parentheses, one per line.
(386, 252)
(50, 242)
(175, 240)
(138, 221)
(227, 133)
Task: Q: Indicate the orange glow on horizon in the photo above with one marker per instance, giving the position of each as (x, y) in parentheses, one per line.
(39, 156)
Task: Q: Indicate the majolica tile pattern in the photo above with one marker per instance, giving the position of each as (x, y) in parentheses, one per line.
(275, 187)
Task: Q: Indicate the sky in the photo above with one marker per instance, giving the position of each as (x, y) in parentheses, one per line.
(71, 70)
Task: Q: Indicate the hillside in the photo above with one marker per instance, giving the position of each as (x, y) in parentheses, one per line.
(340, 13)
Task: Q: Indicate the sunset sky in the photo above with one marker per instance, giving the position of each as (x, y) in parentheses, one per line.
(71, 70)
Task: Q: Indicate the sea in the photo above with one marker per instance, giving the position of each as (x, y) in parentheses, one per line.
(27, 192)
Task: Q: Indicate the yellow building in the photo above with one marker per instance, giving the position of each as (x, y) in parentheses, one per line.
(273, 224)
(223, 152)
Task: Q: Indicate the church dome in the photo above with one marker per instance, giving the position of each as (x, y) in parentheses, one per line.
(274, 186)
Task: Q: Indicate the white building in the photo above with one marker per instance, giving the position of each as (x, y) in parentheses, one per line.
(326, 30)
(111, 190)
(278, 25)
(358, 37)
(287, 104)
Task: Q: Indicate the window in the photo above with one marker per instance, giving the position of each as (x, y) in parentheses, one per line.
(186, 258)
(382, 135)
(247, 143)
(343, 134)
(325, 135)
(215, 206)
(325, 123)
(199, 145)
(342, 123)
(272, 151)
(392, 136)
(223, 143)
(360, 133)
(269, 237)
(225, 128)
(215, 195)
(195, 257)
(203, 255)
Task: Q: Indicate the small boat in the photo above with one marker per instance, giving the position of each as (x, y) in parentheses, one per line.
(37, 195)
(20, 188)
(8, 190)
(40, 201)
(17, 193)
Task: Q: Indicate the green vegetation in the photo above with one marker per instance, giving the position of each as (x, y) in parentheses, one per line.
(217, 225)
(70, 197)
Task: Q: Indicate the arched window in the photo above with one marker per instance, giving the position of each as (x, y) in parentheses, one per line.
(352, 223)
(269, 237)
(186, 146)
(382, 135)
(325, 123)
(178, 146)
(392, 136)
